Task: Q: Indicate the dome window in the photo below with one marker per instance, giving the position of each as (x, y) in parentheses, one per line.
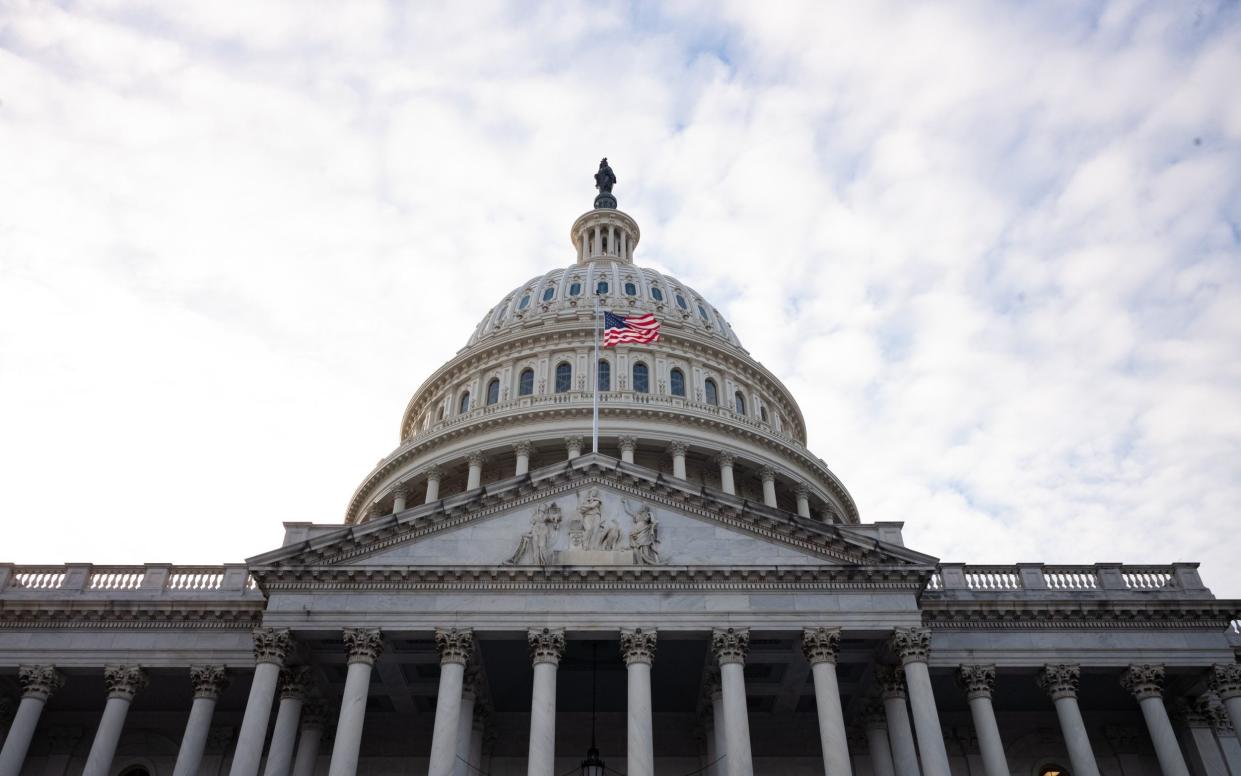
(464, 405)
(493, 391)
(703, 312)
(657, 294)
(575, 289)
(549, 293)
(631, 289)
(682, 303)
(676, 381)
(524, 303)
(712, 392)
(641, 378)
(602, 288)
(762, 412)
(439, 415)
(564, 377)
(739, 403)
(525, 382)
(605, 375)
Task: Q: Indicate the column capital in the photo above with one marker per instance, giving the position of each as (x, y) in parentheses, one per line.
(573, 443)
(891, 681)
(677, 447)
(546, 645)
(912, 645)
(1143, 680)
(873, 715)
(628, 443)
(454, 645)
(295, 682)
(725, 457)
(314, 714)
(523, 447)
(363, 645)
(433, 472)
(978, 681)
(801, 489)
(208, 681)
(39, 681)
(1221, 722)
(820, 645)
(637, 645)
(1226, 680)
(730, 645)
(271, 645)
(124, 681)
(475, 458)
(1060, 680)
(400, 489)
(766, 473)
(1196, 712)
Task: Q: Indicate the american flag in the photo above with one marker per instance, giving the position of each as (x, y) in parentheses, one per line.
(631, 328)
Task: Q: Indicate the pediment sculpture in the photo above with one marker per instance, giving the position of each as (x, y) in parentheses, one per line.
(594, 537)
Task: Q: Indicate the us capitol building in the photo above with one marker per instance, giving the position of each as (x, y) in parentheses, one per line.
(699, 595)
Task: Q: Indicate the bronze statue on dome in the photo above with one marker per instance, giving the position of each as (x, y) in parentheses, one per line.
(605, 179)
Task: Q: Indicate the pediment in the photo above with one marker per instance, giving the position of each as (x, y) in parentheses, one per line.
(593, 513)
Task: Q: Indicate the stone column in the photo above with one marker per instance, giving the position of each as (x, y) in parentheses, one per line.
(1226, 737)
(638, 649)
(1226, 683)
(730, 646)
(627, 445)
(678, 451)
(876, 728)
(573, 445)
(1060, 682)
(38, 684)
(465, 727)
(522, 449)
(900, 732)
(1145, 683)
(123, 683)
(978, 683)
(768, 476)
(546, 649)
(398, 500)
(802, 490)
(821, 646)
(293, 685)
(1197, 716)
(913, 645)
(725, 460)
(475, 477)
(454, 646)
(208, 682)
(314, 722)
(434, 475)
(363, 646)
(716, 693)
(270, 649)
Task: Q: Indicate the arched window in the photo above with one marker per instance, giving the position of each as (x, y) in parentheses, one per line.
(631, 289)
(682, 303)
(605, 375)
(524, 303)
(525, 382)
(739, 403)
(657, 294)
(676, 381)
(493, 391)
(641, 378)
(602, 288)
(548, 293)
(564, 377)
(575, 288)
(712, 391)
(762, 412)
(464, 406)
(439, 414)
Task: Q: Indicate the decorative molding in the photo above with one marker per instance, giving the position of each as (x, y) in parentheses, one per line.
(1143, 680)
(546, 645)
(912, 645)
(891, 681)
(978, 681)
(637, 645)
(295, 682)
(363, 645)
(39, 682)
(1226, 680)
(1060, 680)
(208, 681)
(820, 645)
(1041, 610)
(148, 615)
(454, 645)
(730, 645)
(271, 645)
(124, 682)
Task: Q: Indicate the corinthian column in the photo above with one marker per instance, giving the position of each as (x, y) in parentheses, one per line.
(38, 684)
(900, 732)
(1226, 736)
(638, 649)
(678, 451)
(434, 475)
(208, 682)
(876, 727)
(730, 646)
(1226, 683)
(522, 449)
(978, 683)
(364, 647)
(270, 649)
(802, 491)
(821, 647)
(913, 645)
(1197, 715)
(1060, 682)
(454, 646)
(573, 445)
(398, 500)
(1145, 683)
(123, 683)
(725, 459)
(627, 445)
(475, 477)
(293, 685)
(768, 476)
(314, 720)
(546, 649)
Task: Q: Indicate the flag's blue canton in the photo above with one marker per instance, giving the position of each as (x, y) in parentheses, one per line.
(613, 321)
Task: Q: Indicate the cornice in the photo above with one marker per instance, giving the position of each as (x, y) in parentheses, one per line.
(1119, 612)
(104, 615)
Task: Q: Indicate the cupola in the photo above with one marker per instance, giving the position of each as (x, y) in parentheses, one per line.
(605, 233)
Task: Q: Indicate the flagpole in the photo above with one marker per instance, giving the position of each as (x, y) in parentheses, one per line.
(594, 435)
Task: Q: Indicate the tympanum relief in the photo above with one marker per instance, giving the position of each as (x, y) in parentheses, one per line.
(595, 538)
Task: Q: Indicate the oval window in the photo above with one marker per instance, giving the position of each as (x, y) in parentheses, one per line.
(575, 288)
(524, 303)
(631, 289)
(703, 312)
(657, 294)
(682, 303)
(548, 293)
(602, 288)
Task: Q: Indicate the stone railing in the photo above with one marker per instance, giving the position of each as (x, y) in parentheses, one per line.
(152, 578)
(1041, 579)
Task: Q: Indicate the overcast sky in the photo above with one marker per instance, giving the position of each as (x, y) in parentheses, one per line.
(993, 250)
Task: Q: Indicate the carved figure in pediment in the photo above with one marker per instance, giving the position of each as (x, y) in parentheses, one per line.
(538, 541)
(609, 535)
(644, 538)
(590, 512)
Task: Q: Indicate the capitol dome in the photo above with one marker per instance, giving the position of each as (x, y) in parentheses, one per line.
(694, 405)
